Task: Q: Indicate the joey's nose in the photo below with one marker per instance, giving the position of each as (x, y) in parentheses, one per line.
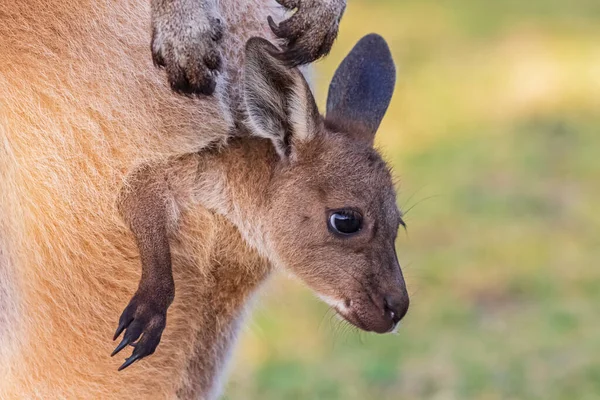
(395, 307)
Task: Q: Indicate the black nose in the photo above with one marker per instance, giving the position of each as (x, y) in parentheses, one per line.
(395, 307)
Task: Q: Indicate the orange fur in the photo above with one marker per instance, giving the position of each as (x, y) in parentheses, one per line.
(80, 106)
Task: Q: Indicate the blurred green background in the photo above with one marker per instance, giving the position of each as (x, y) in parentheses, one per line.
(494, 136)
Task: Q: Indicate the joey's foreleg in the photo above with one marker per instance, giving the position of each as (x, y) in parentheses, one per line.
(144, 204)
(186, 41)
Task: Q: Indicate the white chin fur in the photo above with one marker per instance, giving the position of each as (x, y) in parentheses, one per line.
(337, 304)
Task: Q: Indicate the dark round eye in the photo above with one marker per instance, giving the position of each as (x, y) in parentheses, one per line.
(345, 222)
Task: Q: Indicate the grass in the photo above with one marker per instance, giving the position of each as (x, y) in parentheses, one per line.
(493, 133)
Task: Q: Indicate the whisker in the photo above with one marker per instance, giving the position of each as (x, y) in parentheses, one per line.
(413, 195)
(328, 311)
(419, 202)
(360, 336)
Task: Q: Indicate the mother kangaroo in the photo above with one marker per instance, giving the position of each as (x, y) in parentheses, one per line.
(83, 114)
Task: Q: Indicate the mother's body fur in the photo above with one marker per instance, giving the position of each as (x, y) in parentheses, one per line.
(80, 106)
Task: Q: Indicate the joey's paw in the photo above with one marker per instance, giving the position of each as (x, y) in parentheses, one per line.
(310, 32)
(143, 321)
(192, 58)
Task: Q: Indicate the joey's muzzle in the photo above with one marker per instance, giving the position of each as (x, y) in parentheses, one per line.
(378, 307)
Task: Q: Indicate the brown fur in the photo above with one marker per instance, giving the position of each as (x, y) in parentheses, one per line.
(281, 193)
(81, 108)
(81, 105)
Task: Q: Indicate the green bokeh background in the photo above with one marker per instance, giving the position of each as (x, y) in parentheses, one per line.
(494, 137)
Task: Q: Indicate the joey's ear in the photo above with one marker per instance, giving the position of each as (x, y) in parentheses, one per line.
(362, 88)
(278, 102)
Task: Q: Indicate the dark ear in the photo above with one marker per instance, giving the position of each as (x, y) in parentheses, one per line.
(279, 104)
(362, 88)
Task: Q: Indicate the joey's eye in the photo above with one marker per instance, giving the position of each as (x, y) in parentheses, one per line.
(345, 222)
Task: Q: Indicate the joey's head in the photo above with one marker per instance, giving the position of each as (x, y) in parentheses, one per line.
(331, 217)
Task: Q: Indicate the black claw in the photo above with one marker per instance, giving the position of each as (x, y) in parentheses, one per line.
(289, 4)
(121, 346)
(213, 61)
(157, 58)
(120, 330)
(129, 361)
(274, 27)
(217, 33)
